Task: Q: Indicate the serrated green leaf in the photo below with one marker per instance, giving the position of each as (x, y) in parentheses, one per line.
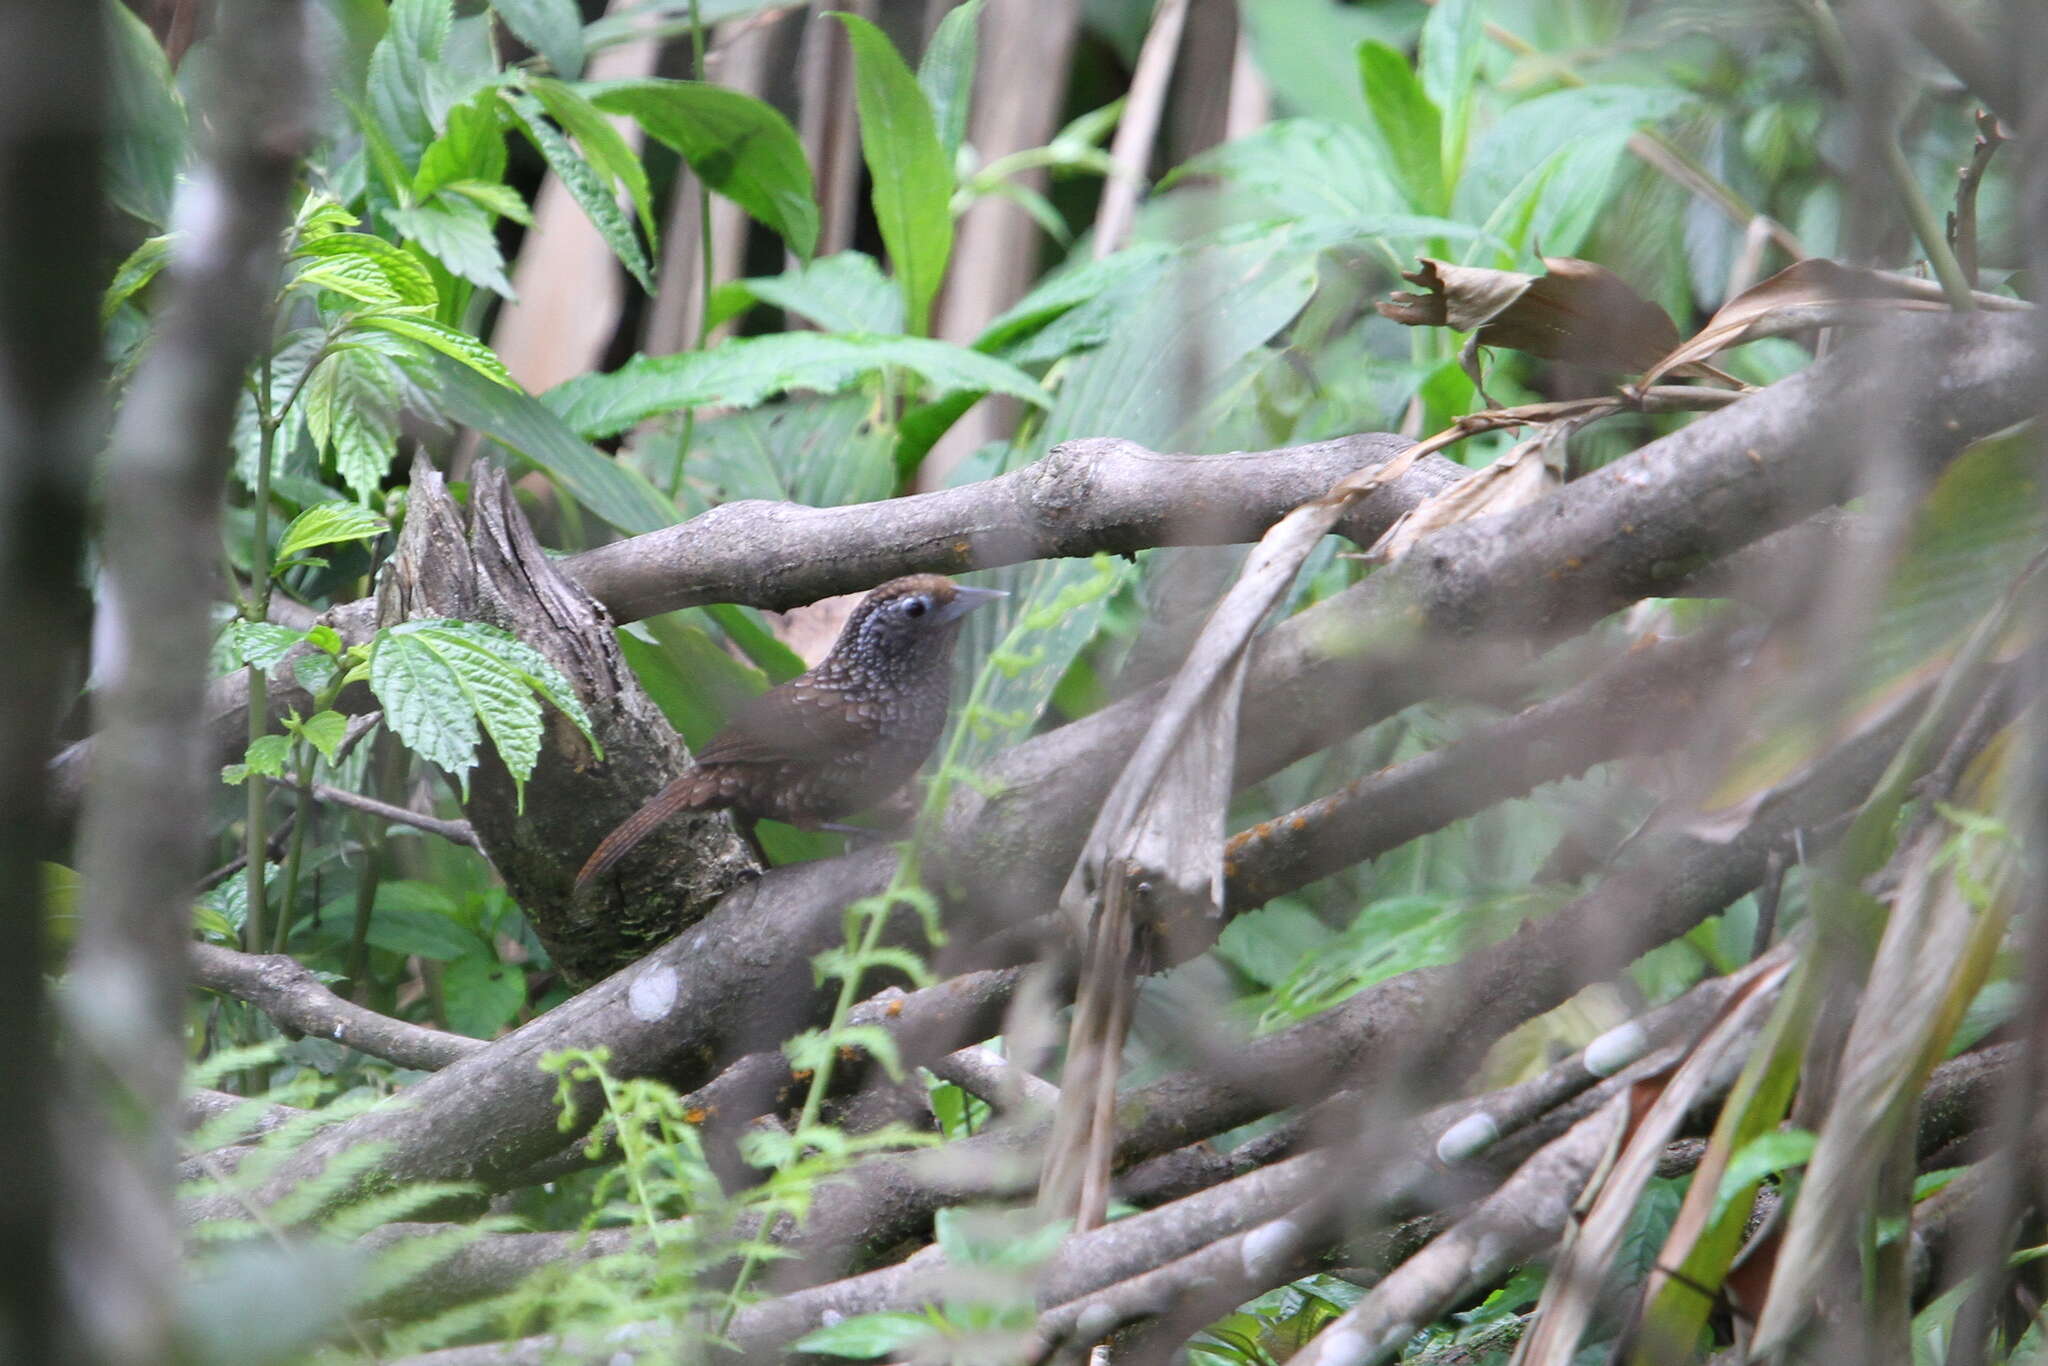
(260, 643)
(424, 702)
(608, 151)
(405, 84)
(351, 406)
(136, 272)
(738, 145)
(908, 165)
(585, 186)
(266, 756)
(329, 524)
(553, 28)
(323, 730)
(947, 73)
(457, 232)
(450, 342)
(745, 371)
(362, 255)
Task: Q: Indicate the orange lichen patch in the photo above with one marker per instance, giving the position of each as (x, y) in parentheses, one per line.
(801, 1074)
(699, 1114)
(1297, 823)
(1573, 562)
(848, 1053)
(962, 549)
(893, 1009)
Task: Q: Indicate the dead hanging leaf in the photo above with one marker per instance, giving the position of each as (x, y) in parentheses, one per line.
(1515, 480)
(1576, 312)
(1808, 294)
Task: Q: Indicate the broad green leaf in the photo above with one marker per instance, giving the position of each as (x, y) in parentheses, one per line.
(266, 757)
(530, 430)
(406, 86)
(483, 996)
(586, 186)
(738, 145)
(1765, 1155)
(499, 199)
(368, 268)
(301, 348)
(947, 73)
(742, 373)
(328, 524)
(411, 932)
(608, 151)
(1306, 50)
(553, 28)
(823, 452)
(471, 147)
(136, 272)
(693, 679)
(1408, 125)
(1298, 168)
(323, 730)
(457, 232)
(147, 137)
(450, 342)
(261, 643)
(846, 292)
(1452, 40)
(911, 173)
(1555, 205)
(1534, 130)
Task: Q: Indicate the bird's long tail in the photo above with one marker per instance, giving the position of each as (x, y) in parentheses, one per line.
(689, 792)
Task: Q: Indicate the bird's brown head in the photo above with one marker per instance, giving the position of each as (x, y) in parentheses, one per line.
(904, 624)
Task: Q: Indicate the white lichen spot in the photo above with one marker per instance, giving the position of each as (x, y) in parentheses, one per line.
(1265, 1243)
(1474, 1133)
(831, 1318)
(1616, 1049)
(653, 993)
(1343, 1346)
(1094, 1322)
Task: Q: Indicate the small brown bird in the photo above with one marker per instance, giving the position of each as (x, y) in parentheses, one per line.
(835, 740)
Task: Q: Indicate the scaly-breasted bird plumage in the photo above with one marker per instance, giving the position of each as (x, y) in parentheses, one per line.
(837, 739)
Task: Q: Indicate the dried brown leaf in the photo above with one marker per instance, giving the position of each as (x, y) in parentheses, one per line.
(1808, 294)
(1576, 312)
(1515, 480)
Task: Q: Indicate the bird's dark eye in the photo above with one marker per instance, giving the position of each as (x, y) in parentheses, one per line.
(914, 607)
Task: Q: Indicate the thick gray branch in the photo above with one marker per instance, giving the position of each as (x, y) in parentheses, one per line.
(291, 995)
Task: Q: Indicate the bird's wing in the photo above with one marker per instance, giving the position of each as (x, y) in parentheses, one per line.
(793, 722)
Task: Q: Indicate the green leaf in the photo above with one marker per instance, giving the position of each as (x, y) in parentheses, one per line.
(738, 145)
(866, 1336)
(947, 73)
(266, 757)
(1407, 123)
(912, 175)
(450, 342)
(553, 28)
(693, 679)
(136, 272)
(323, 730)
(436, 679)
(403, 929)
(846, 292)
(823, 452)
(471, 147)
(499, 199)
(608, 151)
(328, 524)
(1534, 131)
(260, 643)
(148, 140)
(585, 185)
(483, 996)
(529, 429)
(380, 272)
(743, 372)
(1452, 40)
(351, 406)
(1765, 1155)
(406, 85)
(457, 232)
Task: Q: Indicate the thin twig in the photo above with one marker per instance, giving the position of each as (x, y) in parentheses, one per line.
(455, 832)
(1962, 221)
(1132, 148)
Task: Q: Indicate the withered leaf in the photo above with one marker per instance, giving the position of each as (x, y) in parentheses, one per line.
(1806, 294)
(1576, 312)
(1515, 480)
